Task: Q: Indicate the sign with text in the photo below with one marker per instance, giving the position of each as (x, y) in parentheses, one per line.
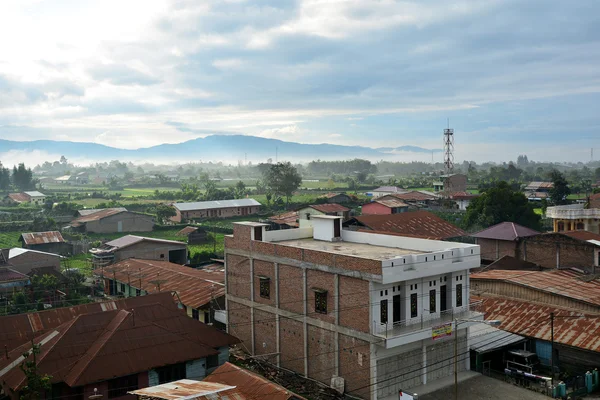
(441, 331)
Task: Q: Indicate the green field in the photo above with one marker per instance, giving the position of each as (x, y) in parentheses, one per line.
(9, 239)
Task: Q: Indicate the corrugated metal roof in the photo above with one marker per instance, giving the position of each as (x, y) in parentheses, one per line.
(391, 203)
(18, 329)
(332, 195)
(533, 320)
(534, 186)
(421, 224)
(486, 338)
(98, 215)
(95, 210)
(186, 389)
(251, 385)
(195, 287)
(187, 230)
(328, 207)
(389, 189)
(582, 235)
(10, 275)
(209, 205)
(17, 251)
(35, 193)
(566, 283)
(289, 218)
(18, 197)
(505, 231)
(414, 196)
(128, 240)
(42, 237)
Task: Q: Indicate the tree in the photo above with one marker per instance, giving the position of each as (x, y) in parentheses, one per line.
(240, 190)
(283, 179)
(36, 383)
(22, 177)
(5, 178)
(560, 191)
(498, 204)
(597, 174)
(164, 212)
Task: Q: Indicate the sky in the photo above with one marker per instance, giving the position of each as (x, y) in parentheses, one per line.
(512, 77)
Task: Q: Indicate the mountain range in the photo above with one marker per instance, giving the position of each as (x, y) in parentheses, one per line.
(226, 148)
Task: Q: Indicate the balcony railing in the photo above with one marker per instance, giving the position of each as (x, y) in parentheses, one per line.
(426, 320)
(572, 212)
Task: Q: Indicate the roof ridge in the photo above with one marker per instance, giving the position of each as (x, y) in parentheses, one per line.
(514, 229)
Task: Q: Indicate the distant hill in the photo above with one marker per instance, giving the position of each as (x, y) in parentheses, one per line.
(211, 148)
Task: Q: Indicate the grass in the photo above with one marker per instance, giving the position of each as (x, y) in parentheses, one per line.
(538, 211)
(10, 239)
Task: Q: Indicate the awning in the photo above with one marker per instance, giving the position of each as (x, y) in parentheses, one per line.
(485, 338)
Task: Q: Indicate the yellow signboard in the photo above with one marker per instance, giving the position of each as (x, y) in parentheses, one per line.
(441, 331)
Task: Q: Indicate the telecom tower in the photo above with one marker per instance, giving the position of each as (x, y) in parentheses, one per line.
(448, 158)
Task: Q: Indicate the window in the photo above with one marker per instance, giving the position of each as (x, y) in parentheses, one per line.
(383, 311)
(171, 373)
(413, 306)
(138, 292)
(212, 361)
(122, 288)
(195, 314)
(120, 386)
(162, 256)
(459, 295)
(432, 301)
(321, 301)
(265, 287)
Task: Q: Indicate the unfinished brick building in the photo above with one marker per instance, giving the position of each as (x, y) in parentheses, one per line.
(354, 307)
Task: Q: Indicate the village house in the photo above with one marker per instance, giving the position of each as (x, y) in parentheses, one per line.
(201, 292)
(384, 205)
(194, 234)
(355, 307)
(50, 242)
(451, 183)
(287, 220)
(461, 199)
(305, 213)
(538, 190)
(123, 350)
(33, 197)
(132, 246)
(11, 280)
(420, 224)
(214, 209)
(501, 240)
(385, 190)
(576, 216)
(415, 198)
(112, 220)
(338, 198)
(26, 260)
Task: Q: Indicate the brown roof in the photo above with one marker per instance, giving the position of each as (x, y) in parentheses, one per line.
(195, 287)
(582, 235)
(187, 230)
(42, 237)
(19, 197)
(128, 240)
(251, 385)
(104, 213)
(10, 275)
(391, 203)
(288, 218)
(422, 224)
(117, 343)
(461, 195)
(185, 389)
(18, 329)
(534, 186)
(505, 231)
(332, 195)
(412, 196)
(329, 208)
(567, 283)
(533, 320)
(512, 263)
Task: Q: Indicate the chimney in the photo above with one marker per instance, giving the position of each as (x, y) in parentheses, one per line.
(327, 228)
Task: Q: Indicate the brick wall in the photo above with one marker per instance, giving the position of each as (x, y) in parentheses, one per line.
(265, 269)
(543, 249)
(321, 354)
(291, 338)
(374, 208)
(324, 281)
(352, 353)
(354, 303)
(238, 276)
(290, 287)
(239, 324)
(489, 251)
(265, 334)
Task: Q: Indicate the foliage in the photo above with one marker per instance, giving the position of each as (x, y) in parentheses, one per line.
(283, 179)
(560, 191)
(501, 204)
(4, 178)
(36, 382)
(22, 177)
(164, 212)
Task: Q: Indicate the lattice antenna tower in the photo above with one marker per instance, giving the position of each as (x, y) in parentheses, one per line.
(448, 150)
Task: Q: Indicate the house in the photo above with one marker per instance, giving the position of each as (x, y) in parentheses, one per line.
(305, 213)
(538, 190)
(338, 198)
(326, 302)
(419, 224)
(524, 300)
(451, 183)
(415, 198)
(82, 178)
(562, 250)
(287, 220)
(123, 350)
(11, 280)
(25, 260)
(194, 234)
(33, 197)
(385, 190)
(50, 242)
(66, 179)
(215, 209)
(462, 199)
(384, 205)
(88, 211)
(501, 240)
(201, 292)
(576, 216)
(36, 197)
(132, 246)
(112, 220)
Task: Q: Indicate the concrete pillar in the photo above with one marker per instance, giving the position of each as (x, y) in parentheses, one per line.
(252, 307)
(305, 326)
(424, 373)
(277, 338)
(336, 337)
(373, 370)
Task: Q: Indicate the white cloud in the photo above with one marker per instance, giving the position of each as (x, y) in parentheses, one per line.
(228, 63)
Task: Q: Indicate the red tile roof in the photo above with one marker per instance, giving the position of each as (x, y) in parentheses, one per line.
(567, 283)
(42, 237)
(195, 287)
(422, 224)
(19, 197)
(533, 320)
(505, 231)
(117, 343)
(251, 385)
(329, 208)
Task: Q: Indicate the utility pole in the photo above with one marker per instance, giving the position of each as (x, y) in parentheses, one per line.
(552, 344)
(456, 359)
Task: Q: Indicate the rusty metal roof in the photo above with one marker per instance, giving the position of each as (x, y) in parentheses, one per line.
(195, 287)
(582, 235)
(104, 213)
(533, 320)
(100, 346)
(505, 231)
(186, 389)
(327, 208)
(288, 218)
(90, 211)
(42, 237)
(19, 197)
(422, 224)
(391, 189)
(251, 385)
(10, 275)
(187, 230)
(567, 283)
(413, 196)
(332, 195)
(18, 329)
(535, 186)
(391, 203)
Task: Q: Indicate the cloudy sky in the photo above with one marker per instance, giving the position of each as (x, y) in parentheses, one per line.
(513, 76)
